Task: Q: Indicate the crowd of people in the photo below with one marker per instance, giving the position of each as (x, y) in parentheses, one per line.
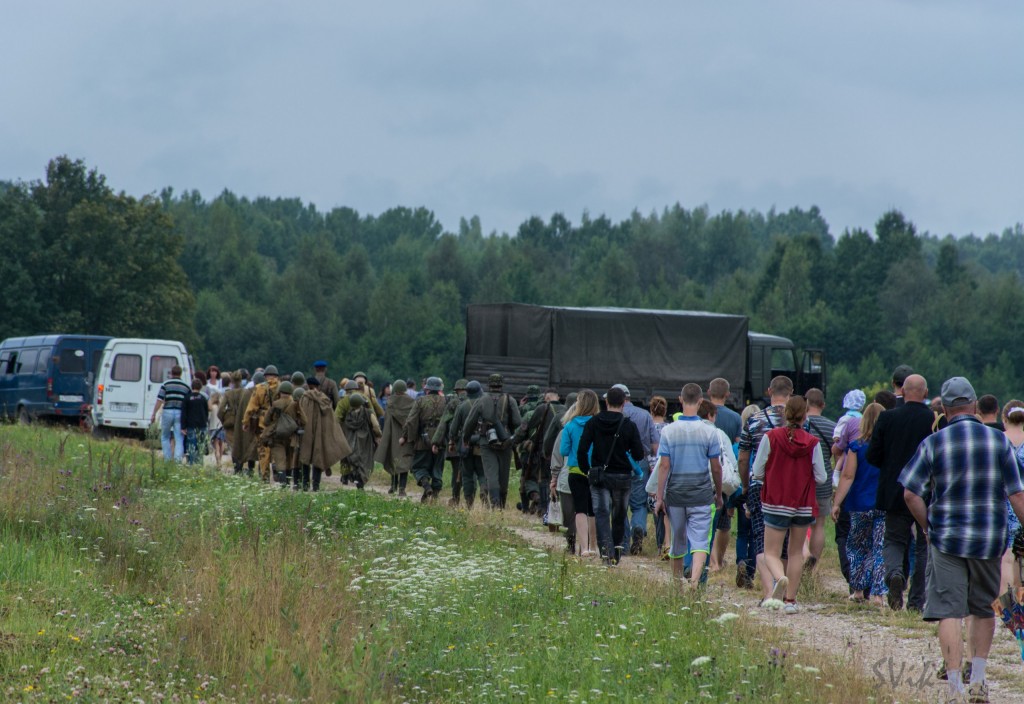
(924, 495)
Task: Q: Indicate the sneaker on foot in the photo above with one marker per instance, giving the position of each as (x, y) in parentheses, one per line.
(977, 693)
(636, 542)
(896, 583)
(790, 608)
(779, 588)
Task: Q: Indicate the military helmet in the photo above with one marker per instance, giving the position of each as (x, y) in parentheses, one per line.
(286, 387)
(258, 378)
(270, 370)
(434, 383)
(298, 378)
(474, 389)
(356, 400)
(571, 398)
(360, 374)
(460, 385)
(399, 387)
(298, 393)
(351, 385)
(533, 390)
(495, 381)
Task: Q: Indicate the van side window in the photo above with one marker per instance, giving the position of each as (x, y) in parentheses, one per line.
(7, 360)
(43, 362)
(27, 361)
(126, 367)
(160, 368)
(72, 361)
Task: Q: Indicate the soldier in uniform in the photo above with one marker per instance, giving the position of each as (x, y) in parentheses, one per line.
(263, 395)
(495, 418)
(328, 386)
(323, 444)
(362, 432)
(442, 444)
(396, 457)
(428, 462)
(472, 467)
(230, 412)
(341, 410)
(280, 436)
(536, 462)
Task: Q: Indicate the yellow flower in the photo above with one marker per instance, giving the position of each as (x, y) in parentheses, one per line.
(28, 688)
(41, 632)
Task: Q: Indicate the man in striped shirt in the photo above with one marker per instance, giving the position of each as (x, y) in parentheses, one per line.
(171, 399)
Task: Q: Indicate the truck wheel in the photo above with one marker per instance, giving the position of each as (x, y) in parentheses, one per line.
(23, 417)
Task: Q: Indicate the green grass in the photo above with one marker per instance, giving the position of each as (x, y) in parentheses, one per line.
(122, 577)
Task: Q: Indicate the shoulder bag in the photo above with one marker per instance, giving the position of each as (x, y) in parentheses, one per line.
(598, 473)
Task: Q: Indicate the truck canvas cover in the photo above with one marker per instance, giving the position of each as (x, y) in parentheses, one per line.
(651, 351)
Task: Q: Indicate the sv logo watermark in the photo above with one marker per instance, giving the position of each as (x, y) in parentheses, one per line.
(899, 673)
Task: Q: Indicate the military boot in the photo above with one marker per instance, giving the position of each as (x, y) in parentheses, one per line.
(427, 491)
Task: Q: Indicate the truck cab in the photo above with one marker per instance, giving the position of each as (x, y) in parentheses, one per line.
(769, 356)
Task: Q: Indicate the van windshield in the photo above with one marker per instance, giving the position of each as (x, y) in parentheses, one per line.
(72, 361)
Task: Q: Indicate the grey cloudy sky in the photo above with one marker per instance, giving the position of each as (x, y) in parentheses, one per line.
(506, 110)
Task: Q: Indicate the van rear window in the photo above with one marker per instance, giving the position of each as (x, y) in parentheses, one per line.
(160, 368)
(72, 361)
(27, 361)
(126, 367)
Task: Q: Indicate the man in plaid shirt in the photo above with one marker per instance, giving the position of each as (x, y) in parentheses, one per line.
(956, 486)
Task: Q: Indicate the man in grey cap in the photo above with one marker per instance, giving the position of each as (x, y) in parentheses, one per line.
(494, 419)
(965, 465)
(263, 396)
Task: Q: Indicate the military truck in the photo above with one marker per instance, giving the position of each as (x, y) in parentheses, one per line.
(653, 352)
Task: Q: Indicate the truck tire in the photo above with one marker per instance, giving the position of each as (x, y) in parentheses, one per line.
(23, 416)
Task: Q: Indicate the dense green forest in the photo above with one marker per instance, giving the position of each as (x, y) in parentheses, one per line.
(250, 282)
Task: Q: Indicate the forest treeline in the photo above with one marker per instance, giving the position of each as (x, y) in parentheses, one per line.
(246, 282)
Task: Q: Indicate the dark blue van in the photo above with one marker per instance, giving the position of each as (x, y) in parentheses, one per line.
(48, 375)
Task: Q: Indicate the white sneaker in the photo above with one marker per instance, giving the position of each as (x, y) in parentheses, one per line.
(779, 588)
(790, 608)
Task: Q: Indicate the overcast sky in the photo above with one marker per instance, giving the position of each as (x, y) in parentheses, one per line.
(511, 109)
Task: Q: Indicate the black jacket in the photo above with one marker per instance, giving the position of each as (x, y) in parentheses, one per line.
(600, 432)
(894, 441)
(195, 413)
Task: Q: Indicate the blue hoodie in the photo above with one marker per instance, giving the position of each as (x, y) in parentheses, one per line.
(571, 442)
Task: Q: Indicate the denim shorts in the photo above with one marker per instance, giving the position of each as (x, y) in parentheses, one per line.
(782, 521)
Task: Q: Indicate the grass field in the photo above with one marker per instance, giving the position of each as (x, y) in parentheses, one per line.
(126, 579)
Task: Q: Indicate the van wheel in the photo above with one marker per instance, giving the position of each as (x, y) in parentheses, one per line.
(100, 433)
(23, 417)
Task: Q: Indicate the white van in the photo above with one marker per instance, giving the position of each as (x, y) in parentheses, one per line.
(130, 373)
